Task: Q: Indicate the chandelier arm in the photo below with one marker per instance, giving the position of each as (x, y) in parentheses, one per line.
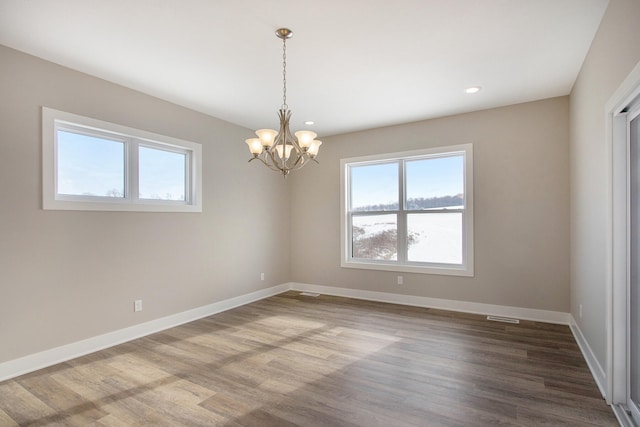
(272, 162)
(285, 118)
(275, 168)
(284, 136)
(290, 139)
(300, 162)
(271, 157)
(294, 142)
(262, 160)
(305, 162)
(269, 165)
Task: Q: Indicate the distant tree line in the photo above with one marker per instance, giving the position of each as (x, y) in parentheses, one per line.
(419, 203)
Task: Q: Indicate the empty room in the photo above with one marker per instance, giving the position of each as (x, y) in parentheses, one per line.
(336, 213)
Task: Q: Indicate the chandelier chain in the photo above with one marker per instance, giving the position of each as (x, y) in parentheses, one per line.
(284, 74)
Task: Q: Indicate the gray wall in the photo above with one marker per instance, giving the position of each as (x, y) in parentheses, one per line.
(613, 54)
(521, 180)
(70, 275)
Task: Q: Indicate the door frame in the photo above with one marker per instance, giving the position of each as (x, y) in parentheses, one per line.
(618, 253)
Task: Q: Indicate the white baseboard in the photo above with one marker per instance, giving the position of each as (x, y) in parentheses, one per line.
(33, 362)
(596, 369)
(443, 304)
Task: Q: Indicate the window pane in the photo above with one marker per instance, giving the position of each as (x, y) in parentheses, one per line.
(435, 183)
(162, 174)
(435, 237)
(374, 187)
(90, 166)
(375, 237)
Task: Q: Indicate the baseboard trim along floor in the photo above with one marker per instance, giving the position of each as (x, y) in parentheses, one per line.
(307, 360)
(33, 362)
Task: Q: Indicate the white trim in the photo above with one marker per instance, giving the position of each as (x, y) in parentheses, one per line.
(54, 120)
(626, 92)
(521, 313)
(622, 416)
(33, 362)
(592, 361)
(465, 269)
(619, 258)
(616, 164)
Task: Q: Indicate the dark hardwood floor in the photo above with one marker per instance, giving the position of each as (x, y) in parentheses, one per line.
(292, 360)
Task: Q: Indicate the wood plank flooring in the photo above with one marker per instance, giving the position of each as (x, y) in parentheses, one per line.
(292, 360)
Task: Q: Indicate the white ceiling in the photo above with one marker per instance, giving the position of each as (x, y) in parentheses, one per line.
(352, 64)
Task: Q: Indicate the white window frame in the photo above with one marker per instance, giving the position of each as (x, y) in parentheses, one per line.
(55, 120)
(464, 269)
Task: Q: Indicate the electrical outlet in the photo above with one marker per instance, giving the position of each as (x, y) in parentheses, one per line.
(137, 305)
(261, 276)
(400, 280)
(580, 311)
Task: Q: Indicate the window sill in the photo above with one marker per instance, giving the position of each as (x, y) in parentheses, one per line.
(463, 271)
(121, 206)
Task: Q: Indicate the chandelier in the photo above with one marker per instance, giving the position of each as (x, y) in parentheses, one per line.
(279, 150)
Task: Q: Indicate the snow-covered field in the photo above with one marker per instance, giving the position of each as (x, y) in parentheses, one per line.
(437, 237)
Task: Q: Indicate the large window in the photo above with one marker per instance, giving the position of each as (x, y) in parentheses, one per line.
(409, 211)
(94, 165)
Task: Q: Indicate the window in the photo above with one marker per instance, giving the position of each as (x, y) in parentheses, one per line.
(409, 211)
(94, 165)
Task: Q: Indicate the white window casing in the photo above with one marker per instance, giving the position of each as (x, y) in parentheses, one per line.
(463, 264)
(56, 123)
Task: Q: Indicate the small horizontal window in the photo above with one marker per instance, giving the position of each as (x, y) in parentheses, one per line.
(89, 164)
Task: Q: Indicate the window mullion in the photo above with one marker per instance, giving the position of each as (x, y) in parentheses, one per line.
(402, 216)
(349, 216)
(132, 178)
(188, 193)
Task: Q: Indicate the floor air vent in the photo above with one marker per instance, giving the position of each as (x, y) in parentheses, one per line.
(502, 319)
(309, 294)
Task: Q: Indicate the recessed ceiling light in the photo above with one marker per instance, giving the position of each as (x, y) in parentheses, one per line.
(473, 89)
(309, 122)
